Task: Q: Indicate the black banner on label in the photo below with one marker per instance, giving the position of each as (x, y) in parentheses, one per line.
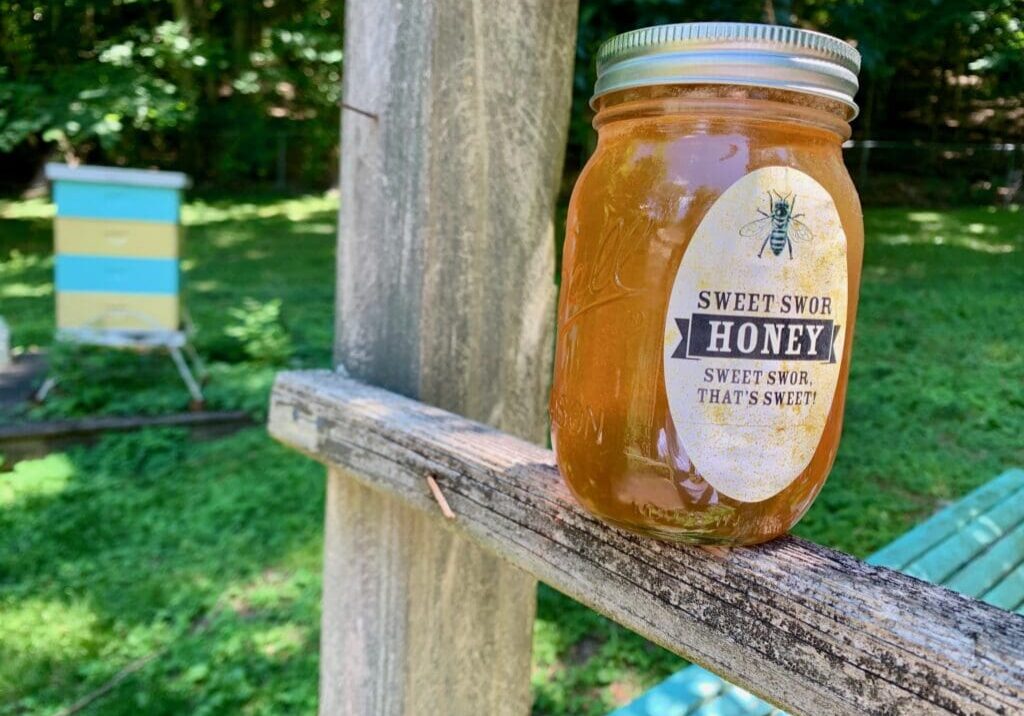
(707, 335)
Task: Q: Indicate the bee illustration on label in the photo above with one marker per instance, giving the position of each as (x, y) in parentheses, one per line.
(779, 226)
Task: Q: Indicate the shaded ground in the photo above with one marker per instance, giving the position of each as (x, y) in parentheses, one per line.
(208, 554)
(18, 380)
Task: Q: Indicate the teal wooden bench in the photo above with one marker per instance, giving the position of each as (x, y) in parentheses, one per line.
(974, 546)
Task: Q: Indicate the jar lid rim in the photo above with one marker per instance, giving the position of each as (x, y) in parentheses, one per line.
(772, 56)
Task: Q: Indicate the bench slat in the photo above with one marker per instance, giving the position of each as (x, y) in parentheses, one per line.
(679, 695)
(991, 567)
(919, 540)
(1009, 593)
(735, 702)
(957, 550)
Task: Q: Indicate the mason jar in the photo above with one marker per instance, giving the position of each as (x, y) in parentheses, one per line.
(710, 280)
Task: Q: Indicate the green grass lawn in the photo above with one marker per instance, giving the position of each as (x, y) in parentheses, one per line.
(259, 288)
(198, 563)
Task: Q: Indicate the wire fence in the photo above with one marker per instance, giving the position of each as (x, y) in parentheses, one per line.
(979, 171)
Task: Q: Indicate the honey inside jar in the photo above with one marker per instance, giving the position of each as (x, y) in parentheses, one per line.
(709, 290)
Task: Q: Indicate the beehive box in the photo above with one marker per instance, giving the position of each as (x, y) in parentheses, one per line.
(117, 239)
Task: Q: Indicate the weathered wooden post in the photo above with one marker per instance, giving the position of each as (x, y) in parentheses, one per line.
(453, 134)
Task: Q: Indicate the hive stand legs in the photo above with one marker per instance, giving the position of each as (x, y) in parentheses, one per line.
(186, 375)
(175, 343)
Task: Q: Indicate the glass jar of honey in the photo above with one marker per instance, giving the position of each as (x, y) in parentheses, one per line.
(710, 279)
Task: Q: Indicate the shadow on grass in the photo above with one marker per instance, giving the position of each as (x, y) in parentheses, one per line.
(144, 542)
(26, 278)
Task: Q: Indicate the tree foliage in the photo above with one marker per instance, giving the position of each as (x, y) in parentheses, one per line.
(948, 70)
(248, 90)
(225, 90)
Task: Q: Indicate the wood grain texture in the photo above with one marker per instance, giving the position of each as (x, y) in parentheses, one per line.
(453, 133)
(403, 631)
(452, 150)
(809, 629)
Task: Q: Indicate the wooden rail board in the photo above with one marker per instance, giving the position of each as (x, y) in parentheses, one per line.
(812, 630)
(694, 691)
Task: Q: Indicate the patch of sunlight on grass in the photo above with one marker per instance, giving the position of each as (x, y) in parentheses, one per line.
(230, 239)
(880, 273)
(26, 290)
(925, 217)
(319, 228)
(977, 228)
(27, 209)
(962, 242)
(297, 209)
(18, 262)
(35, 478)
(1001, 351)
(195, 286)
(975, 245)
(42, 630)
(280, 643)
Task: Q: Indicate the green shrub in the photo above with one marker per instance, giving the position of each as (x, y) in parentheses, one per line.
(257, 327)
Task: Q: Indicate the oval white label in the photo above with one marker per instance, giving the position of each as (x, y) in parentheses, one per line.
(755, 330)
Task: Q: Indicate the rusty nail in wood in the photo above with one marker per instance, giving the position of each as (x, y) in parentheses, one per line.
(371, 115)
(439, 497)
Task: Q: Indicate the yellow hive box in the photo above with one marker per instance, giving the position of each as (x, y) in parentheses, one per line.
(104, 237)
(118, 311)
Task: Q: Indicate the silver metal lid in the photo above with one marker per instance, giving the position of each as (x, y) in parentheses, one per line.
(733, 53)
